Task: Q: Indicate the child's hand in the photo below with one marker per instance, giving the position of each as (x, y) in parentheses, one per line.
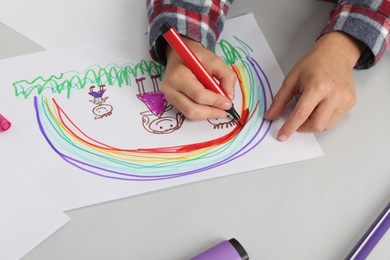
(186, 93)
(323, 81)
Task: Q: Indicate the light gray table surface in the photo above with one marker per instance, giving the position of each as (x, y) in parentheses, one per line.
(314, 209)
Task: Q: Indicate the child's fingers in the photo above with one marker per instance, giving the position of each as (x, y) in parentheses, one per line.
(225, 75)
(281, 99)
(303, 109)
(190, 109)
(320, 118)
(195, 91)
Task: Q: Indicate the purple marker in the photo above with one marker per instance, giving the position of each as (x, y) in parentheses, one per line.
(4, 124)
(227, 250)
(372, 236)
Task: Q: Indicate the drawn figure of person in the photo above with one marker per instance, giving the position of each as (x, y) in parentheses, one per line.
(154, 120)
(101, 109)
(97, 95)
(221, 123)
(162, 124)
(155, 100)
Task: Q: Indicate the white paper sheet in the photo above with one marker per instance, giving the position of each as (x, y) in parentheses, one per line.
(27, 217)
(64, 23)
(77, 155)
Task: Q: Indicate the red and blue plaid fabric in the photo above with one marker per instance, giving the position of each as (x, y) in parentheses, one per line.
(203, 20)
(366, 20)
(200, 20)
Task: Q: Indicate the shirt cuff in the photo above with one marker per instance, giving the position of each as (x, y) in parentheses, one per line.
(201, 24)
(364, 25)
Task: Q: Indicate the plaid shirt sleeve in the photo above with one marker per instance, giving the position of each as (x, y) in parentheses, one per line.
(365, 20)
(200, 20)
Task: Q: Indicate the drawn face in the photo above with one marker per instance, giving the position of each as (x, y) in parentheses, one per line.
(221, 123)
(101, 111)
(161, 125)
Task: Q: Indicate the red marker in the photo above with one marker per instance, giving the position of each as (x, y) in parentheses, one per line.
(193, 63)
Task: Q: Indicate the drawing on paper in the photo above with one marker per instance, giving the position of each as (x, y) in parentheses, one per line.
(155, 120)
(91, 155)
(101, 109)
(221, 123)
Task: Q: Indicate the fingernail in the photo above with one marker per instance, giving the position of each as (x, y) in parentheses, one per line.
(282, 137)
(227, 105)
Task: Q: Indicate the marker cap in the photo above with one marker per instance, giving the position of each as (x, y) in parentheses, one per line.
(4, 124)
(226, 250)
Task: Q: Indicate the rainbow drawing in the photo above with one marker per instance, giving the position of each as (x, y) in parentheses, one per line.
(83, 151)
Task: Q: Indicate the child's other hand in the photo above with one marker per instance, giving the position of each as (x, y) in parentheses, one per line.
(186, 93)
(323, 81)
